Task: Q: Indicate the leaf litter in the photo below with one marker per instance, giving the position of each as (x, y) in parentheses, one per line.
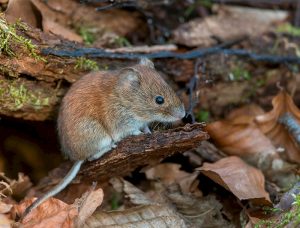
(258, 148)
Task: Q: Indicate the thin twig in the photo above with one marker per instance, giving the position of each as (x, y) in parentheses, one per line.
(262, 3)
(194, 54)
(192, 89)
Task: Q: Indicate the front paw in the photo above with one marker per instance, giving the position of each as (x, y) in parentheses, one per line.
(137, 132)
(146, 130)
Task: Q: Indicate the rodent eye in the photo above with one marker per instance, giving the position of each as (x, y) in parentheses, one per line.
(159, 100)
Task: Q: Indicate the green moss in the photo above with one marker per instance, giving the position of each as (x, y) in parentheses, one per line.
(115, 201)
(86, 64)
(87, 35)
(291, 217)
(239, 73)
(7, 71)
(15, 96)
(9, 37)
(202, 116)
(122, 42)
(289, 29)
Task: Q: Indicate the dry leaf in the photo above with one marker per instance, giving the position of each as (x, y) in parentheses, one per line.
(148, 213)
(20, 186)
(245, 114)
(239, 135)
(67, 18)
(268, 124)
(244, 181)
(230, 22)
(4, 208)
(91, 200)
(244, 140)
(55, 28)
(51, 213)
(170, 173)
(23, 9)
(49, 25)
(138, 217)
(5, 222)
(136, 196)
(198, 211)
(14, 187)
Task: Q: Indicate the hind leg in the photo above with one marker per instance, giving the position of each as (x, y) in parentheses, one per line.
(101, 152)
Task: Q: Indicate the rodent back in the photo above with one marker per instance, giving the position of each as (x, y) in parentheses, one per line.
(115, 103)
(82, 122)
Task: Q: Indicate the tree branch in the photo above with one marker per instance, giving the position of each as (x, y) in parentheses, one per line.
(132, 153)
(194, 54)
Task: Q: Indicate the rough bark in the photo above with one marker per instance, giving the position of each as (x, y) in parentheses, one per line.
(132, 153)
(31, 88)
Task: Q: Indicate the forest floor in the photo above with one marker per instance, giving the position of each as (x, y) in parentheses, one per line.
(232, 162)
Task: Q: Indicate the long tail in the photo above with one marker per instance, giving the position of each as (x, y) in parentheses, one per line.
(59, 187)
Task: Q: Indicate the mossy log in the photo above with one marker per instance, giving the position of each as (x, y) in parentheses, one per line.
(32, 84)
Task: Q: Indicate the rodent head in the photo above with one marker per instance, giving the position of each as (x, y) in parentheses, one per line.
(149, 98)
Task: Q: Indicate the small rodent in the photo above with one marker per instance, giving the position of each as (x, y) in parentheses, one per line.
(102, 108)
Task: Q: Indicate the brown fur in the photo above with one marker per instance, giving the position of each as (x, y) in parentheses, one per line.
(110, 104)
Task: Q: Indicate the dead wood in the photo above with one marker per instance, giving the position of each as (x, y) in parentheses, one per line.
(133, 152)
(261, 3)
(32, 88)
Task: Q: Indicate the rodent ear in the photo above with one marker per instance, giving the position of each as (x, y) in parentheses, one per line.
(129, 77)
(146, 62)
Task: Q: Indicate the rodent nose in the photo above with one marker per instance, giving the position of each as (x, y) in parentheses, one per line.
(179, 112)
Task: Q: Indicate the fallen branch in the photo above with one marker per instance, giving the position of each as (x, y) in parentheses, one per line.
(260, 3)
(134, 152)
(143, 150)
(194, 54)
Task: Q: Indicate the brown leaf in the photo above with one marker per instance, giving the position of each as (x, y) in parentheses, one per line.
(49, 25)
(91, 200)
(23, 9)
(5, 222)
(52, 213)
(276, 132)
(57, 29)
(244, 181)
(148, 213)
(4, 208)
(204, 211)
(141, 216)
(20, 186)
(14, 187)
(245, 114)
(225, 26)
(170, 173)
(245, 140)
(135, 195)
(66, 18)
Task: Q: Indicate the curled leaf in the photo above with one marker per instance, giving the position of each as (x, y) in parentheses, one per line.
(51, 213)
(5, 222)
(170, 173)
(243, 180)
(251, 22)
(276, 132)
(4, 208)
(243, 140)
(91, 200)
